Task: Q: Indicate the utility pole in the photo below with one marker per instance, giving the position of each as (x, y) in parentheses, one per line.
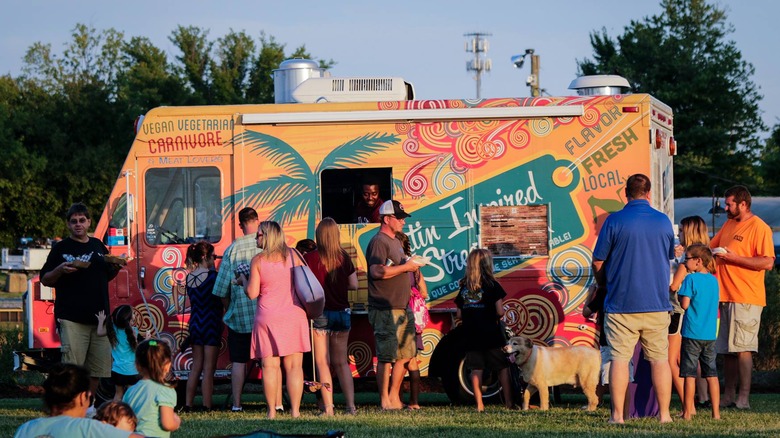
(533, 80)
(478, 45)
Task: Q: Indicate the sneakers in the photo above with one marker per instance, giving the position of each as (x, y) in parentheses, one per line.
(91, 411)
(237, 409)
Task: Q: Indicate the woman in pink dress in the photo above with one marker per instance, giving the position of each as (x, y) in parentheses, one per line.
(280, 334)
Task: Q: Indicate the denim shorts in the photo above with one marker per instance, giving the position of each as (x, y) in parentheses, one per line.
(333, 321)
(694, 351)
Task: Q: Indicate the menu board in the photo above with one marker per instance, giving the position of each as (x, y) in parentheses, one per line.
(515, 230)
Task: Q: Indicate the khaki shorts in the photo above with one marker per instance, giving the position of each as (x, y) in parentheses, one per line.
(739, 325)
(606, 365)
(393, 333)
(625, 329)
(82, 346)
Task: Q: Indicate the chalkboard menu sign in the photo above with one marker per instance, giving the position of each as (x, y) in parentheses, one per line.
(515, 230)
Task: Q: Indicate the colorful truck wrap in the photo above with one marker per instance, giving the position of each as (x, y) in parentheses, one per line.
(531, 179)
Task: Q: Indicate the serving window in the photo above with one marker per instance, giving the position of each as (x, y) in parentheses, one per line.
(342, 191)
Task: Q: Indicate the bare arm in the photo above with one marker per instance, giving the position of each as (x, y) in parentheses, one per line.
(586, 311)
(685, 302)
(252, 290)
(101, 327)
(679, 276)
(51, 277)
(598, 272)
(352, 281)
(423, 287)
(168, 419)
(757, 263)
(382, 272)
(500, 308)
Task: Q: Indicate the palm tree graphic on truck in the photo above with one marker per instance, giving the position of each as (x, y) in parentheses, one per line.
(294, 193)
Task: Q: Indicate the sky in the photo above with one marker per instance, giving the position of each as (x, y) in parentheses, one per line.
(421, 41)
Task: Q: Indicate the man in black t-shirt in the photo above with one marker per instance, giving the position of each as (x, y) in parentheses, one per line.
(76, 268)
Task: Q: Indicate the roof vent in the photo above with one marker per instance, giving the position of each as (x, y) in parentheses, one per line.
(290, 74)
(600, 85)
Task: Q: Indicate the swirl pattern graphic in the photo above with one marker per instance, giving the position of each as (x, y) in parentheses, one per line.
(541, 127)
(163, 281)
(515, 315)
(590, 117)
(518, 136)
(444, 178)
(389, 105)
(537, 316)
(569, 267)
(172, 256)
(183, 360)
(430, 339)
(403, 128)
(360, 354)
(169, 339)
(557, 290)
(147, 320)
(466, 150)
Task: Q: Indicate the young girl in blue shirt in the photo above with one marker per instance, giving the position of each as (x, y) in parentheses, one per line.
(152, 398)
(124, 340)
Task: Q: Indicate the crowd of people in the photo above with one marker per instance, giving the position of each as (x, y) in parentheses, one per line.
(636, 296)
(675, 317)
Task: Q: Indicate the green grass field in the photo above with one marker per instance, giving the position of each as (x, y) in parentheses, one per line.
(438, 419)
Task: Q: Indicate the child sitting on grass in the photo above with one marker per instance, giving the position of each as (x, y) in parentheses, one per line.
(699, 295)
(66, 397)
(152, 399)
(118, 414)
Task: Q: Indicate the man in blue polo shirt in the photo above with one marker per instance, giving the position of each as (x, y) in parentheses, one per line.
(631, 259)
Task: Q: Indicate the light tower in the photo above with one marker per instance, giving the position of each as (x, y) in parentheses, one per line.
(478, 45)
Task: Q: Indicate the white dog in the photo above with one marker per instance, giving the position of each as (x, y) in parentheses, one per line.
(543, 367)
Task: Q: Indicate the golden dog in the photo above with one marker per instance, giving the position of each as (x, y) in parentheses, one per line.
(543, 367)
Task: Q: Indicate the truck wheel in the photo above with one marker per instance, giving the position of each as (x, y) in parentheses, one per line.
(491, 387)
(448, 362)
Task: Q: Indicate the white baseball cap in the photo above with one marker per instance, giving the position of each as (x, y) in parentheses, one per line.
(394, 208)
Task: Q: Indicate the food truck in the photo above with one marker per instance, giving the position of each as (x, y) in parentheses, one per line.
(530, 179)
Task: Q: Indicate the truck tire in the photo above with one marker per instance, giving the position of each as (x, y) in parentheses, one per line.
(448, 363)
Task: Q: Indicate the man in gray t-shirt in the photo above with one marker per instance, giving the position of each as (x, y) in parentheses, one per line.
(389, 288)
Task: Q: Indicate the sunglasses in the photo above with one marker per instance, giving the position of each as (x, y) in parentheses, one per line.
(259, 234)
(80, 220)
(690, 258)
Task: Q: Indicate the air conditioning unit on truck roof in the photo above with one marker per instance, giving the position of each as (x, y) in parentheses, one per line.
(318, 90)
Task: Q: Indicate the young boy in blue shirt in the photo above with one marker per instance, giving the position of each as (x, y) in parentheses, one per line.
(699, 296)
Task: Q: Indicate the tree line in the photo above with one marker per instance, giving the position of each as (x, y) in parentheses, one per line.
(66, 122)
